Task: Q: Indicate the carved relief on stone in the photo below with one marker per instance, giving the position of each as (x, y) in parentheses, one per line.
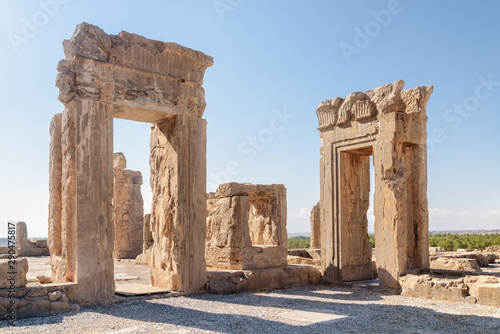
(327, 112)
(363, 110)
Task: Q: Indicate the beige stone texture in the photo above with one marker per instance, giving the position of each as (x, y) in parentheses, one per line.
(470, 289)
(13, 273)
(480, 258)
(26, 247)
(389, 124)
(228, 244)
(246, 227)
(40, 301)
(231, 281)
(490, 257)
(486, 289)
(302, 260)
(267, 212)
(315, 220)
(43, 279)
(129, 210)
(130, 77)
(455, 264)
(178, 212)
(435, 250)
(147, 243)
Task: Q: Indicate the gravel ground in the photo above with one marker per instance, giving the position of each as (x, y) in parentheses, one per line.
(314, 309)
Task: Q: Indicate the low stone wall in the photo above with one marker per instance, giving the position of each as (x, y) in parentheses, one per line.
(469, 289)
(230, 281)
(34, 248)
(38, 301)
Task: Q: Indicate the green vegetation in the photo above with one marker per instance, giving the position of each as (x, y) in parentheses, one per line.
(299, 242)
(372, 239)
(447, 241)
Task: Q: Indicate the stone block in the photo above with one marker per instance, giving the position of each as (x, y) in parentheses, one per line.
(455, 264)
(13, 273)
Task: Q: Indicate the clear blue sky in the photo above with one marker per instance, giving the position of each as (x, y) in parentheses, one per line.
(272, 57)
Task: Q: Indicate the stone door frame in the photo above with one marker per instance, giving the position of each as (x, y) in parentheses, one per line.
(130, 77)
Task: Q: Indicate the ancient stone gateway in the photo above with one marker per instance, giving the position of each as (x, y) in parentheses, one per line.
(130, 77)
(389, 124)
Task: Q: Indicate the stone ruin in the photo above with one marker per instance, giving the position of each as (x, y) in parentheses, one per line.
(130, 77)
(246, 227)
(315, 220)
(390, 125)
(128, 210)
(238, 232)
(25, 246)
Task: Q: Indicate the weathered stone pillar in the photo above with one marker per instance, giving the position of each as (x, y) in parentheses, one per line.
(356, 258)
(128, 210)
(401, 216)
(55, 199)
(21, 235)
(95, 228)
(178, 212)
(315, 220)
(87, 190)
(228, 244)
(147, 235)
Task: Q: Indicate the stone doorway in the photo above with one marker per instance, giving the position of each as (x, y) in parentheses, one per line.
(130, 77)
(389, 124)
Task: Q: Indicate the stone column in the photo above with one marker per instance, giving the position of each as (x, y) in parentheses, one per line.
(401, 216)
(55, 198)
(330, 237)
(128, 210)
(178, 211)
(94, 193)
(21, 237)
(315, 220)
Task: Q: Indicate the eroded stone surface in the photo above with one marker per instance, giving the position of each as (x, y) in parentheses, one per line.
(19, 267)
(469, 289)
(455, 264)
(228, 281)
(178, 212)
(129, 210)
(315, 220)
(246, 226)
